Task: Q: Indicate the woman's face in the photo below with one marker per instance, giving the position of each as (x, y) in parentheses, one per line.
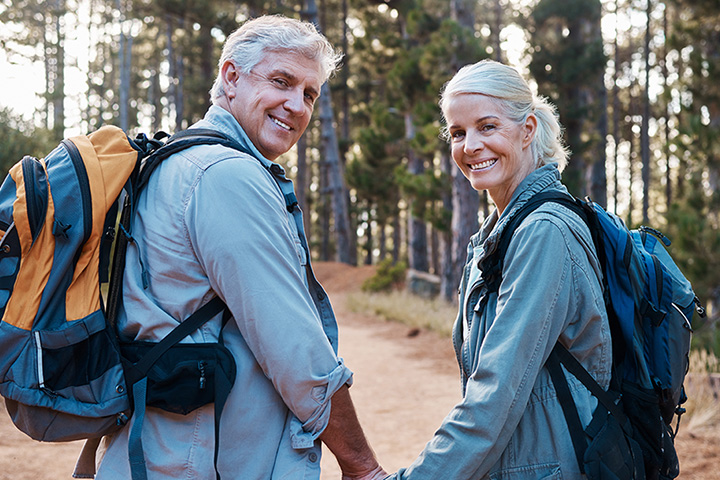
(492, 151)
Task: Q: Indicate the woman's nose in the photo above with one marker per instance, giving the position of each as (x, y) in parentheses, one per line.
(473, 142)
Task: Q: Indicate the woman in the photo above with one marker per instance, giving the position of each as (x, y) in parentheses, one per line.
(509, 423)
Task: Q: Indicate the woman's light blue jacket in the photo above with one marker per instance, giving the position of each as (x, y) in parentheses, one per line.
(509, 424)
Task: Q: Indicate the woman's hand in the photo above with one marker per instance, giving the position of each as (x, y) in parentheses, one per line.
(376, 474)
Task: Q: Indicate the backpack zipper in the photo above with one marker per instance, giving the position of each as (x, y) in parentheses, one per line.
(84, 184)
(201, 367)
(34, 198)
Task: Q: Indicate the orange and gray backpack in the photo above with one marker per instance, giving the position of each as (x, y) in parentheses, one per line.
(63, 372)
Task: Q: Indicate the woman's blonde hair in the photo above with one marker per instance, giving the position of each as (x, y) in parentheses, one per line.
(512, 93)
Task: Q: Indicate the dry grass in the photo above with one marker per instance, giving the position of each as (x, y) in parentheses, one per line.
(400, 306)
(702, 361)
(702, 386)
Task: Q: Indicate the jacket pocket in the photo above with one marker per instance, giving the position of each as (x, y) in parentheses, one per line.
(546, 471)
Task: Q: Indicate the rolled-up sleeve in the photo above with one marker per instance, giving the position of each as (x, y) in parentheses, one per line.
(238, 227)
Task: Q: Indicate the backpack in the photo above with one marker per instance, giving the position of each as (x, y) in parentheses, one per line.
(650, 306)
(64, 373)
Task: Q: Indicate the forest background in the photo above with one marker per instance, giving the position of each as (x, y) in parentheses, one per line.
(635, 82)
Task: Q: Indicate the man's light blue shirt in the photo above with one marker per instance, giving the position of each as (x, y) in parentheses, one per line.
(214, 220)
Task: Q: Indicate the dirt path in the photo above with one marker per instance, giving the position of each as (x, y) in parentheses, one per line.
(405, 384)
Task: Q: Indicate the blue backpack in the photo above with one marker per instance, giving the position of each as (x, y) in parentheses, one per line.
(650, 306)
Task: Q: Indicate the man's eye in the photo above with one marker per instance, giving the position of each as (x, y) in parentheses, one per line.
(280, 82)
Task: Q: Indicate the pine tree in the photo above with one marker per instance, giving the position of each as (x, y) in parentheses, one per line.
(569, 65)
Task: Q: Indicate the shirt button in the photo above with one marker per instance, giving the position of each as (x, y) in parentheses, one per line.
(320, 296)
(313, 457)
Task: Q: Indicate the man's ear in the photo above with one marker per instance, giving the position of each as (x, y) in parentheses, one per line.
(230, 75)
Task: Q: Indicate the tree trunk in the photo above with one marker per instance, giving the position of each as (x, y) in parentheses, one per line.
(616, 113)
(466, 203)
(301, 182)
(369, 243)
(336, 178)
(382, 241)
(324, 210)
(172, 67)
(180, 122)
(632, 155)
(666, 146)
(417, 229)
(397, 238)
(448, 275)
(207, 62)
(125, 63)
(58, 92)
(645, 135)
(345, 128)
(47, 54)
(497, 27)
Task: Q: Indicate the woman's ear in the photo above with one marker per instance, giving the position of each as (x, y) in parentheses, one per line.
(530, 128)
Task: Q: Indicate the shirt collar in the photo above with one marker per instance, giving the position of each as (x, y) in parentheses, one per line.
(222, 120)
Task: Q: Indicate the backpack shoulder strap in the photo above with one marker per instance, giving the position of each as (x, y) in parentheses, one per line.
(182, 140)
(206, 136)
(492, 265)
(492, 273)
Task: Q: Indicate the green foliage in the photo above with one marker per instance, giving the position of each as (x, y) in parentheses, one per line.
(389, 275)
(693, 220)
(569, 64)
(693, 228)
(20, 138)
(426, 188)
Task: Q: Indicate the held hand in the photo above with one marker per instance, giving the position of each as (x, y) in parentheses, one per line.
(376, 474)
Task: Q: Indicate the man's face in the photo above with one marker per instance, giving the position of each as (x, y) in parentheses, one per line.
(274, 102)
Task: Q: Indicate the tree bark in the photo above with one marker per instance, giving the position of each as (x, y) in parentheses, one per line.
(336, 178)
(301, 182)
(58, 91)
(417, 229)
(449, 276)
(645, 128)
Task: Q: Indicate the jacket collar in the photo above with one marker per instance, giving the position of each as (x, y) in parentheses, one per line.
(544, 178)
(223, 121)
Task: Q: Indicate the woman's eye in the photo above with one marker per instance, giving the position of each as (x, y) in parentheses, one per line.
(457, 134)
(487, 127)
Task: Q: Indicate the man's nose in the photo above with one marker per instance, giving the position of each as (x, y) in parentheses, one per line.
(295, 102)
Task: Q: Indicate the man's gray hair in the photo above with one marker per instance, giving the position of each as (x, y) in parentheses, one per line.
(512, 93)
(248, 45)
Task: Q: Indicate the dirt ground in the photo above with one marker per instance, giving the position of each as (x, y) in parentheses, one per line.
(405, 383)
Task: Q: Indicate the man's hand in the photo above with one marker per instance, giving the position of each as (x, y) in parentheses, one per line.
(346, 440)
(377, 474)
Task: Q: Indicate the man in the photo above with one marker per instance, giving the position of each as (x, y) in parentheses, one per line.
(213, 221)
